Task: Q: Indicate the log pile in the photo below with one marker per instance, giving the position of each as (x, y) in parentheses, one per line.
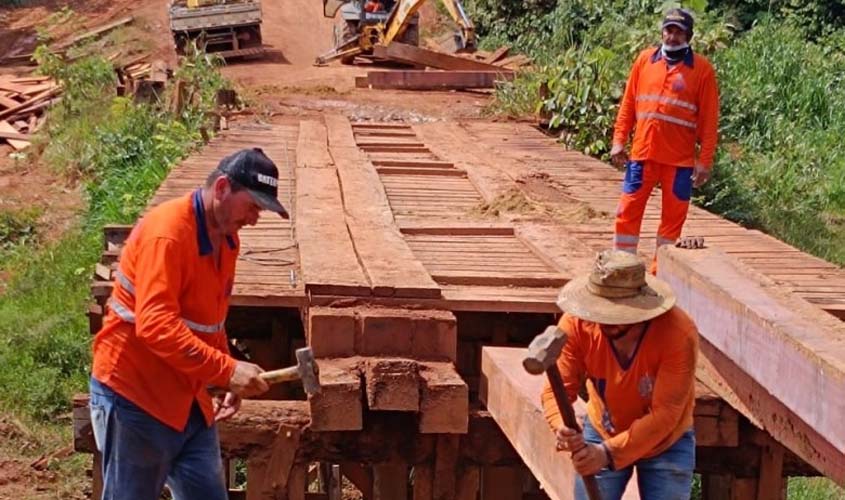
(22, 104)
(25, 98)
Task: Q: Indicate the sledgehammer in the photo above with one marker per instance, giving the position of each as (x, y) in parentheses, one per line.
(306, 369)
(542, 355)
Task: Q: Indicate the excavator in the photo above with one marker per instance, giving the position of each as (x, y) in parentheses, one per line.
(367, 23)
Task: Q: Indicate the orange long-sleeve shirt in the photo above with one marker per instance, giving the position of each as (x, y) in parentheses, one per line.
(640, 409)
(671, 108)
(163, 340)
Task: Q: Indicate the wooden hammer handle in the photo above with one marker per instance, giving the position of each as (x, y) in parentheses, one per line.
(280, 375)
(568, 414)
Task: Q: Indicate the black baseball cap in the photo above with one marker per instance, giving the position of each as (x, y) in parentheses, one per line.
(679, 18)
(256, 173)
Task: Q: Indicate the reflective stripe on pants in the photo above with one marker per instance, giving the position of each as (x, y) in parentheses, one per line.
(676, 186)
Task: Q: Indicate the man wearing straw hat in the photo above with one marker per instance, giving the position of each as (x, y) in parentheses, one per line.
(636, 352)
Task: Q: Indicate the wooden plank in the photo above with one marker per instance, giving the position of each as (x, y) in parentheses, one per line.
(779, 342)
(7, 102)
(435, 80)
(388, 262)
(410, 54)
(430, 164)
(493, 278)
(13, 137)
(497, 54)
(98, 30)
(312, 147)
(43, 96)
(328, 261)
(420, 171)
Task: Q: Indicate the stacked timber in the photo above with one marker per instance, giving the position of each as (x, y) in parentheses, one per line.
(442, 71)
(25, 98)
(22, 103)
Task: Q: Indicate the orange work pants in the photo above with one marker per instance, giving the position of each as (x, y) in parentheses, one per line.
(640, 179)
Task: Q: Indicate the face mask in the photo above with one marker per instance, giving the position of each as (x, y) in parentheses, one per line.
(674, 52)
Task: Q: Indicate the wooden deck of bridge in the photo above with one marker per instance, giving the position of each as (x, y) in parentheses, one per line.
(449, 214)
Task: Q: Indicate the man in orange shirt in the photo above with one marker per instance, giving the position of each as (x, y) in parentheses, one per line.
(163, 341)
(671, 102)
(636, 352)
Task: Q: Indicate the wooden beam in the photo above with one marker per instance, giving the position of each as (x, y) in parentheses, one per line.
(390, 482)
(359, 476)
(513, 398)
(328, 262)
(423, 482)
(771, 485)
(501, 482)
(338, 405)
(387, 260)
(13, 137)
(96, 31)
(788, 355)
(446, 466)
(497, 54)
(43, 96)
(433, 80)
(410, 54)
(392, 384)
(444, 399)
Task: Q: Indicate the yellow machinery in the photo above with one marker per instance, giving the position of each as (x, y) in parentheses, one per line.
(366, 23)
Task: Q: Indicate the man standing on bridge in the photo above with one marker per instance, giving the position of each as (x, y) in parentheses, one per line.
(671, 102)
(637, 353)
(163, 341)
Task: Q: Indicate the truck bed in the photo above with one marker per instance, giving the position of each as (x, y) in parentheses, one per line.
(230, 14)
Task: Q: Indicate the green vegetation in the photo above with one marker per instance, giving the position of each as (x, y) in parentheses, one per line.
(120, 151)
(778, 167)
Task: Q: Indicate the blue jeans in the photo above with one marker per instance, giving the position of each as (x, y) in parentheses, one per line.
(667, 476)
(140, 453)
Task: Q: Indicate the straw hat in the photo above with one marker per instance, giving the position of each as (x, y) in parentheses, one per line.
(617, 292)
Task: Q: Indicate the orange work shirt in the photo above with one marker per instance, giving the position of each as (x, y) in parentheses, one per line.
(643, 407)
(671, 108)
(163, 339)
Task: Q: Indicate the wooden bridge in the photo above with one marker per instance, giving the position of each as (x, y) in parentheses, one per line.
(421, 258)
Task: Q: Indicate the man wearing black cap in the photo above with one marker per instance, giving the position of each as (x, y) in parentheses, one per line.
(671, 103)
(163, 341)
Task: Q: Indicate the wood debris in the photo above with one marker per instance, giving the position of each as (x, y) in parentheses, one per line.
(24, 98)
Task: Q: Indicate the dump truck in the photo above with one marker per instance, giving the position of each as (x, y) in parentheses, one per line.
(229, 28)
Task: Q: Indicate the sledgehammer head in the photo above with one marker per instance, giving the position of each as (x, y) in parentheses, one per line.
(308, 371)
(544, 350)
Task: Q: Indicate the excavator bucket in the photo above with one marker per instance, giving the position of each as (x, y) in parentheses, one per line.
(330, 7)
